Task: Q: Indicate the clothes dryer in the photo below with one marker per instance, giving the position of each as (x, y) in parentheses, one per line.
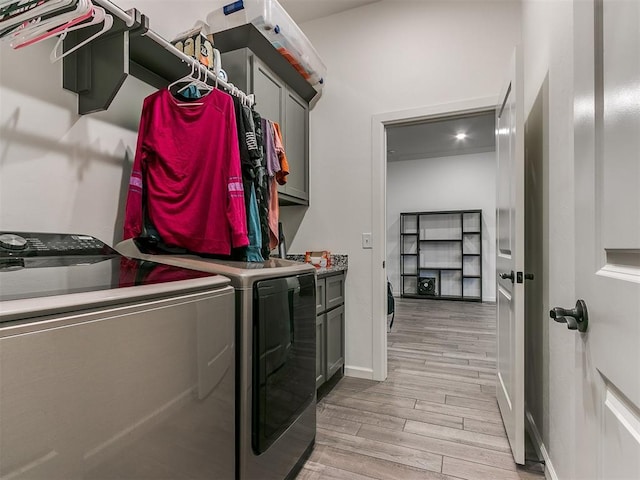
(275, 315)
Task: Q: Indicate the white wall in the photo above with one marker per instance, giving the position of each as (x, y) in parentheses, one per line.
(547, 31)
(385, 57)
(446, 183)
(61, 172)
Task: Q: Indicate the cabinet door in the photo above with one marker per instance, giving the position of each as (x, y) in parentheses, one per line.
(334, 291)
(321, 305)
(269, 91)
(335, 340)
(296, 144)
(321, 345)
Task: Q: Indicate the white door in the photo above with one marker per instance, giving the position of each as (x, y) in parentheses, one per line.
(510, 257)
(607, 220)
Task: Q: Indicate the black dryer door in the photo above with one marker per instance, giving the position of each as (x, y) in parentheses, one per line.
(284, 358)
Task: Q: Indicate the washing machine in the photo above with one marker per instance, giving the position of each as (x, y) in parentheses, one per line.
(276, 361)
(112, 367)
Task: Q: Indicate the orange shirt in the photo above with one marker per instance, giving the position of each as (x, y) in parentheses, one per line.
(281, 176)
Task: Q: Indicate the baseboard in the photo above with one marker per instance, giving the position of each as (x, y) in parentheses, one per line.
(358, 372)
(538, 444)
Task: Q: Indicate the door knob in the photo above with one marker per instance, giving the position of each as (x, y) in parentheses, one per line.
(576, 318)
(507, 276)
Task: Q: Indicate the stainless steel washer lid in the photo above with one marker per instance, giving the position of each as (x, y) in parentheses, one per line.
(30, 292)
(43, 273)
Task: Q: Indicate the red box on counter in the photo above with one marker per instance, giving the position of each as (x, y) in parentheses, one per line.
(320, 259)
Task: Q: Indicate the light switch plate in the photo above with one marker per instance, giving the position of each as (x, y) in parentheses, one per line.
(367, 240)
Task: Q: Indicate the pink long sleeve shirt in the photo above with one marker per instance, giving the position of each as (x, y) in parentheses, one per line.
(187, 162)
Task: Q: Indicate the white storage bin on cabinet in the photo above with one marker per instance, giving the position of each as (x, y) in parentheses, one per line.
(278, 27)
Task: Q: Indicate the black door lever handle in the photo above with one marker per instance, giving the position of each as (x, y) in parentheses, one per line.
(576, 318)
(507, 276)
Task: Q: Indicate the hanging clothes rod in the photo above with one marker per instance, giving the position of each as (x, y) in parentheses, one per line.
(213, 76)
(116, 11)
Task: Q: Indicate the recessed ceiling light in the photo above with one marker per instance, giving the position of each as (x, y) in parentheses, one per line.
(461, 136)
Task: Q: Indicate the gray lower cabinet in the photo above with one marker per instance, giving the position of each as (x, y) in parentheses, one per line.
(335, 340)
(335, 291)
(321, 305)
(330, 326)
(278, 102)
(320, 350)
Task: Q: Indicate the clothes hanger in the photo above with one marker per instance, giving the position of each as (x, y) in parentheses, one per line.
(217, 65)
(44, 30)
(8, 6)
(35, 35)
(99, 15)
(49, 10)
(46, 26)
(198, 82)
(20, 19)
(20, 13)
(213, 87)
(186, 78)
(190, 78)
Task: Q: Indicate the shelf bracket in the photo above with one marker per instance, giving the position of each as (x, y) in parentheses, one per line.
(97, 70)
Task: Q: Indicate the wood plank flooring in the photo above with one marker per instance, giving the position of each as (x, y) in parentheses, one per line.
(436, 415)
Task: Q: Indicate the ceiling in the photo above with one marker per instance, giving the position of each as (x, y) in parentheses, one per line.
(438, 138)
(305, 10)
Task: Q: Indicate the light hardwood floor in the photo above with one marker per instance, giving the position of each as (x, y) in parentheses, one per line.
(436, 415)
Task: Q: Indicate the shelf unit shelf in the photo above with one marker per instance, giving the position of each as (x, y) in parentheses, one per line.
(444, 269)
(450, 237)
(440, 239)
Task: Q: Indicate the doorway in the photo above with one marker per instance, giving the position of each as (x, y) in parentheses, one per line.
(387, 249)
(380, 123)
(443, 168)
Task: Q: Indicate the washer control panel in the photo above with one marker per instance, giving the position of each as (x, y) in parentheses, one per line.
(27, 244)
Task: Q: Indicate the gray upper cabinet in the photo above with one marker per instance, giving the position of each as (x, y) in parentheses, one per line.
(296, 144)
(269, 90)
(278, 103)
(282, 95)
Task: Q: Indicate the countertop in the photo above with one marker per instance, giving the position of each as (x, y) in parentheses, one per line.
(339, 264)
